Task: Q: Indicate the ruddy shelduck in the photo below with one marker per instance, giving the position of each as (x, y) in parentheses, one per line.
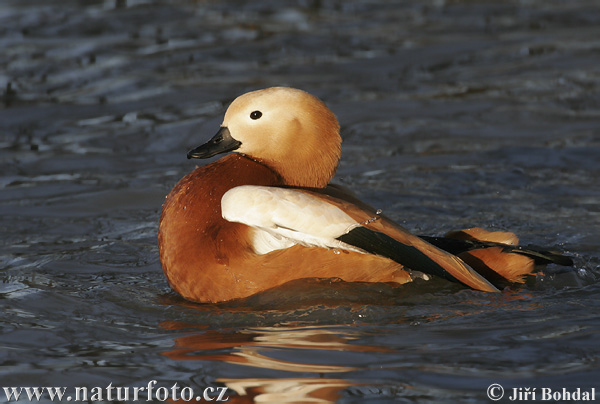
(267, 214)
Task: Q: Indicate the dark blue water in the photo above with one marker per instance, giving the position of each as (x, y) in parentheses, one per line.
(454, 114)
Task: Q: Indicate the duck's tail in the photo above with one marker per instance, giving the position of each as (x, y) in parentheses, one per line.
(497, 255)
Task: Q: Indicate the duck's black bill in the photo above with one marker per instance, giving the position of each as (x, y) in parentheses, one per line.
(222, 142)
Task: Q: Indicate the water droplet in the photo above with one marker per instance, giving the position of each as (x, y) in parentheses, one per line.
(336, 251)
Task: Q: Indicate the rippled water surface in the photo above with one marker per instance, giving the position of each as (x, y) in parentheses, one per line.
(454, 114)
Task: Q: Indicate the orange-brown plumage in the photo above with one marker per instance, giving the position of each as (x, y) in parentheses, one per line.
(283, 220)
(205, 258)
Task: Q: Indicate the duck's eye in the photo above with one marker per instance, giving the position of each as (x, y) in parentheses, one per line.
(255, 115)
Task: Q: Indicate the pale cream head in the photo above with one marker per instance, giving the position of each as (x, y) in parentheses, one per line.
(289, 130)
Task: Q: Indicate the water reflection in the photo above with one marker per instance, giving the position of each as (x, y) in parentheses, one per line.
(298, 350)
(310, 363)
(298, 390)
(251, 347)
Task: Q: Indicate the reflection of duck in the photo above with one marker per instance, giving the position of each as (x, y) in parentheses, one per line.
(282, 391)
(251, 348)
(266, 215)
(248, 346)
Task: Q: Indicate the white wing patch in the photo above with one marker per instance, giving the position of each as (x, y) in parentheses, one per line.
(285, 217)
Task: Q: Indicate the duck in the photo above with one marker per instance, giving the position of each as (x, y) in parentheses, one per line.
(266, 213)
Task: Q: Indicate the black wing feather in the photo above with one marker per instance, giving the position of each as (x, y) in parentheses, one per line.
(539, 255)
(381, 244)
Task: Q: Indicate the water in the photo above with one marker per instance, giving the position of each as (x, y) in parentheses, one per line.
(453, 114)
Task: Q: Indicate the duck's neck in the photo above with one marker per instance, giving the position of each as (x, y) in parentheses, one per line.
(310, 173)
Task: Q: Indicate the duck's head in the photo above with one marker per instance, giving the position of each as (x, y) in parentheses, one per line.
(289, 130)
